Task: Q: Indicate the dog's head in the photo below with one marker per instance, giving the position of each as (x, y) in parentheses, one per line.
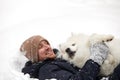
(75, 49)
(69, 48)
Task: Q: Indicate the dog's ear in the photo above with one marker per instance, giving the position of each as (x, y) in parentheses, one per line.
(72, 33)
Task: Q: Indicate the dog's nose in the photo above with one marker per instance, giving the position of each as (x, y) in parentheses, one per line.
(68, 50)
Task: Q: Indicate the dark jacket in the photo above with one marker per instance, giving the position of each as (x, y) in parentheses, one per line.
(61, 70)
(116, 74)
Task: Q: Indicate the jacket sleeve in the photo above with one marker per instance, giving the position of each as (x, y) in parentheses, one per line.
(88, 72)
(116, 74)
(31, 69)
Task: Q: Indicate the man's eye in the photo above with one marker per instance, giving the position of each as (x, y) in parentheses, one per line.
(46, 42)
(73, 44)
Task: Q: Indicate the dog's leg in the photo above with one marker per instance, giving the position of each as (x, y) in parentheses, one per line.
(95, 38)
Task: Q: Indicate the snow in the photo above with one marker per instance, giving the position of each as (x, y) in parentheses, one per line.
(53, 19)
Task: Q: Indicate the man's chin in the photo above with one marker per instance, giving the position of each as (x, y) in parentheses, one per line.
(52, 56)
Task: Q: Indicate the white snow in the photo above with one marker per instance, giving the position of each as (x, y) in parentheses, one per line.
(54, 20)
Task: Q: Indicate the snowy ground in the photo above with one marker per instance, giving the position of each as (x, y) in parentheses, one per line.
(53, 19)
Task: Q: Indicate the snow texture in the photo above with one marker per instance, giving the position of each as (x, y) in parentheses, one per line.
(53, 19)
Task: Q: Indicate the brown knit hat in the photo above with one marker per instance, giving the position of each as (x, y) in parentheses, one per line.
(30, 47)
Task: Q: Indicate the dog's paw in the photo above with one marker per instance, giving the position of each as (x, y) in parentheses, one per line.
(108, 38)
(95, 38)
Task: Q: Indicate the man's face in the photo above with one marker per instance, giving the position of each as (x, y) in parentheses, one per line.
(45, 51)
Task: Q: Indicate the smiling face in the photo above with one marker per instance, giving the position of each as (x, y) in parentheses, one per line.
(45, 51)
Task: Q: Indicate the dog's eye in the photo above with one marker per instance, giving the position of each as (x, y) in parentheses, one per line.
(73, 44)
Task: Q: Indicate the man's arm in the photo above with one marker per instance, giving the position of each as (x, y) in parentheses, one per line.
(56, 71)
(116, 74)
(89, 71)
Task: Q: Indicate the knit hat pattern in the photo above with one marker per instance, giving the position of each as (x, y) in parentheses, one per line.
(30, 47)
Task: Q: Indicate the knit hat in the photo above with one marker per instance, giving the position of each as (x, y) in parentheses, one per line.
(30, 47)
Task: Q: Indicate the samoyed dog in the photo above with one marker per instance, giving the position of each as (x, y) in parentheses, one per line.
(76, 50)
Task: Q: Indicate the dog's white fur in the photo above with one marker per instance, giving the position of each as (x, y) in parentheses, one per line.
(81, 43)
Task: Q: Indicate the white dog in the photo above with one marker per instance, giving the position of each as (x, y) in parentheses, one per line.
(76, 50)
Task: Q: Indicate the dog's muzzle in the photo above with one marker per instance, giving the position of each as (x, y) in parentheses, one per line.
(70, 52)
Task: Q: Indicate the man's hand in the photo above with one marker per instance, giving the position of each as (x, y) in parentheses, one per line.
(99, 52)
